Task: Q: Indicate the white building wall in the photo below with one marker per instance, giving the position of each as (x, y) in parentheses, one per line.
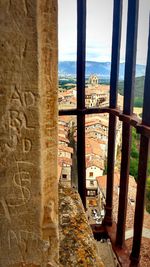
(96, 172)
(91, 184)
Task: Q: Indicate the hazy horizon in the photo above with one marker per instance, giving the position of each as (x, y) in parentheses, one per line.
(121, 62)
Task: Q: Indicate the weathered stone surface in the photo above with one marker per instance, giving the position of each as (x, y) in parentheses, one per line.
(28, 133)
(77, 244)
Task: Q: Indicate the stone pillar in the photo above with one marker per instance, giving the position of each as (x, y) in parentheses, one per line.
(28, 133)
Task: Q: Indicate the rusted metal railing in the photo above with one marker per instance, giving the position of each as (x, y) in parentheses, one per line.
(81, 44)
(129, 84)
(144, 130)
(115, 59)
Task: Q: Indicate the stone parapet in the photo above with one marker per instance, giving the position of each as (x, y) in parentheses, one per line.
(77, 244)
(28, 133)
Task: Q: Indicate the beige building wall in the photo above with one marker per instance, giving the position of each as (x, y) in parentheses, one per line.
(66, 174)
(28, 133)
(93, 172)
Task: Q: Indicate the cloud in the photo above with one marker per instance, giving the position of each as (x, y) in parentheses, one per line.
(99, 30)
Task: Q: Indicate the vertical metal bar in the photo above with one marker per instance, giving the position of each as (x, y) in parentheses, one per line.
(142, 170)
(115, 57)
(131, 47)
(146, 104)
(116, 40)
(124, 181)
(81, 44)
(139, 211)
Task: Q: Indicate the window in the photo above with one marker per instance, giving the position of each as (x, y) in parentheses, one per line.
(91, 174)
(64, 176)
(91, 182)
(131, 201)
(91, 193)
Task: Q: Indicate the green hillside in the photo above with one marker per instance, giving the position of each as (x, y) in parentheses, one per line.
(139, 88)
(134, 161)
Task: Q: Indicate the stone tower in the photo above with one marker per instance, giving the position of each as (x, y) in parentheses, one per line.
(28, 133)
(93, 80)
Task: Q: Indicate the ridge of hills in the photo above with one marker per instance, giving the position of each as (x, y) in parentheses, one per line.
(101, 69)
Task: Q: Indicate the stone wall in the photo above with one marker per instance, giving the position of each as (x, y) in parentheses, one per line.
(28, 133)
(77, 245)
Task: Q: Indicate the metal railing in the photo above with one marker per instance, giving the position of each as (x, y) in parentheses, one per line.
(127, 117)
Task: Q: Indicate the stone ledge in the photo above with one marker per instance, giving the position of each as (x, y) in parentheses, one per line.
(77, 245)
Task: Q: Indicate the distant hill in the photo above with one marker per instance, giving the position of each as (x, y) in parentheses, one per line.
(101, 69)
(139, 89)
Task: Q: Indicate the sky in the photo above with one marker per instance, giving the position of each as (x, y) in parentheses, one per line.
(99, 30)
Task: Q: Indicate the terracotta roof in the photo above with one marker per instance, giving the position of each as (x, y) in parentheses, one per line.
(145, 251)
(66, 149)
(101, 181)
(93, 147)
(64, 160)
(145, 242)
(64, 119)
(147, 220)
(96, 139)
(101, 87)
(97, 163)
(100, 141)
(132, 184)
(94, 151)
(73, 99)
(130, 209)
(101, 121)
(60, 95)
(67, 93)
(96, 116)
(71, 90)
(97, 91)
(130, 204)
(63, 139)
(62, 127)
(90, 141)
(132, 188)
(99, 131)
(61, 132)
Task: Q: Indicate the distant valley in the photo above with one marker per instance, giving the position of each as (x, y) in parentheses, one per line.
(101, 69)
